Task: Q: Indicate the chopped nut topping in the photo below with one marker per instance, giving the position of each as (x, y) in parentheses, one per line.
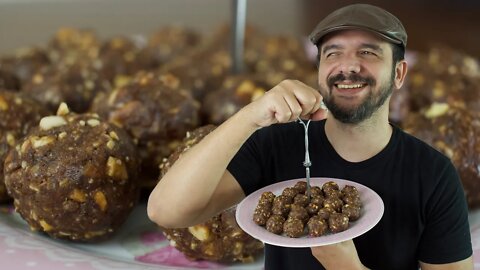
(52, 121)
(100, 200)
(116, 168)
(63, 182)
(63, 109)
(113, 135)
(3, 104)
(10, 139)
(78, 195)
(81, 122)
(93, 122)
(436, 110)
(46, 227)
(93, 234)
(200, 232)
(33, 187)
(62, 135)
(38, 79)
(25, 146)
(42, 141)
(110, 144)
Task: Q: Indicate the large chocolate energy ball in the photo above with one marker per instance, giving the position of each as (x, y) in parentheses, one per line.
(191, 139)
(18, 113)
(218, 239)
(71, 46)
(118, 58)
(202, 73)
(234, 94)
(77, 85)
(276, 58)
(74, 177)
(167, 43)
(444, 75)
(453, 130)
(25, 62)
(156, 111)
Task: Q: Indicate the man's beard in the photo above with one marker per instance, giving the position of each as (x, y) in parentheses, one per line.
(369, 105)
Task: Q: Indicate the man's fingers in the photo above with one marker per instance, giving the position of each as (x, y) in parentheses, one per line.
(294, 105)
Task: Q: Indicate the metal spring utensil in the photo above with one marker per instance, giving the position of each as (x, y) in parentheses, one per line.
(306, 163)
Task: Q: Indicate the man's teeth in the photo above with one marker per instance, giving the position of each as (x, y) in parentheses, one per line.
(349, 86)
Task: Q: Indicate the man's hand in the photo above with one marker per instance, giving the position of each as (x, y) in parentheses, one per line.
(284, 103)
(338, 256)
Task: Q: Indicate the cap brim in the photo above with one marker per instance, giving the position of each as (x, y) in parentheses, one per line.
(315, 38)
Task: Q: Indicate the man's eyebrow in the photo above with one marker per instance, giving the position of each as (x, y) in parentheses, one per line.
(330, 47)
(374, 47)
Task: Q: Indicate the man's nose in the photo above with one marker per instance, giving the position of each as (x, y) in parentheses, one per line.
(350, 65)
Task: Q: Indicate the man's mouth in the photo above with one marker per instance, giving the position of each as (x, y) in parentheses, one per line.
(350, 86)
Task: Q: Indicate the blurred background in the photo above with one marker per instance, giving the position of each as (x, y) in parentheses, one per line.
(28, 22)
(162, 71)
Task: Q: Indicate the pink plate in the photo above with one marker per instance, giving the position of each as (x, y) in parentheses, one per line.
(372, 211)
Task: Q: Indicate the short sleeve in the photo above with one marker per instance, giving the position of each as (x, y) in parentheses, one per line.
(246, 165)
(446, 237)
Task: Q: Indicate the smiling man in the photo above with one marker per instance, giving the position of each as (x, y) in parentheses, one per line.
(361, 62)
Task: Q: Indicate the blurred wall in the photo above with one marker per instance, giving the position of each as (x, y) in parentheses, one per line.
(28, 22)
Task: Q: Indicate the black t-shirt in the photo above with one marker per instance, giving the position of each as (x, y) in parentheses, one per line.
(425, 218)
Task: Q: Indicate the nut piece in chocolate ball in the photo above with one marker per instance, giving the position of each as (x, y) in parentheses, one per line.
(18, 114)
(73, 177)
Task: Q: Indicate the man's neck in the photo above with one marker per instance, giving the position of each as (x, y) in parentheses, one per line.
(362, 141)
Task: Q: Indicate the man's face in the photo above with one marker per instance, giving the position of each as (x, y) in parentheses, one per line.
(355, 74)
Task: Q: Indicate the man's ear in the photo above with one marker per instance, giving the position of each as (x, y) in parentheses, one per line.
(401, 69)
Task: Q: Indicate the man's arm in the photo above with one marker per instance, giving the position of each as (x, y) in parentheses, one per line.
(338, 256)
(198, 186)
(466, 264)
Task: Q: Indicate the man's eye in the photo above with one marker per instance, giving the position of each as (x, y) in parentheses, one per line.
(367, 53)
(331, 54)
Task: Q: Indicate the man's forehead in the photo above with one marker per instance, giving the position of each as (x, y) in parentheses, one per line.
(354, 37)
